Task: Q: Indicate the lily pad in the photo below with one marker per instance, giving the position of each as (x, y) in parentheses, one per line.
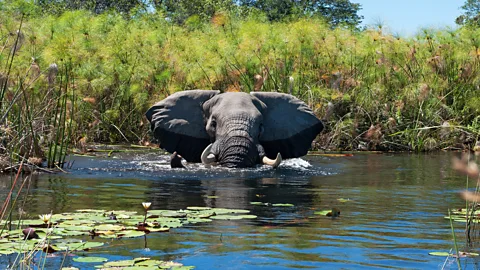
(222, 211)
(258, 203)
(211, 197)
(80, 246)
(226, 217)
(282, 205)
(7, 252)
(439, 253)
(123, 263)
(90, 259)
(90, 211)
(109, 227)
(247, 216)
(462, 254)
(165, 229)
(174, 214)
(75, 227)
(198, 208)
(31, 222)
(149, 263)
(131, 234)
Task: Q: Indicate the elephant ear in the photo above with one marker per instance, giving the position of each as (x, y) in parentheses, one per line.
(289, 125)
(177, 122)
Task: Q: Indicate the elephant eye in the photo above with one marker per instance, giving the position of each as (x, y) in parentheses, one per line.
(261, 130)
(213, 124)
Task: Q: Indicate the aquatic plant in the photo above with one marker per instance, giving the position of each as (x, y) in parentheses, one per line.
(375, 91)
(76, 231)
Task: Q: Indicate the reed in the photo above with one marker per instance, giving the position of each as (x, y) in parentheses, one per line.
(418, 94)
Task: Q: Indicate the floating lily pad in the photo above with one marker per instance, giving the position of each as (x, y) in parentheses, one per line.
(248, 216)
(226, 217)
(80, 246)
(72, 233)
(98, 223)
(323, 212)
(166, 229)
(329, 213)
(131, 234)
(198, 208)
(258, 203)
(90, 211)
(211, 197)
(123, 263)
(447, 254)
(30, 222)
(283, 205)
(221, 211)
(439, 253)
(109, 227)
(75, 227)
(90, 259)
(174, 214)
(149, 263)
(343, 200)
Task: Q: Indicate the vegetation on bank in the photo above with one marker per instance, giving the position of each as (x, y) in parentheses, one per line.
(70, 79)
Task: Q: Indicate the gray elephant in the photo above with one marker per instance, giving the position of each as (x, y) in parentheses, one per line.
(234, 129)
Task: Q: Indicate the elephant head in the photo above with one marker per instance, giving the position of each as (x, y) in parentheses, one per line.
(234, 129)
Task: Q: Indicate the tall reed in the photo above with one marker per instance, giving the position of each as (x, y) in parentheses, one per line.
(374, 90)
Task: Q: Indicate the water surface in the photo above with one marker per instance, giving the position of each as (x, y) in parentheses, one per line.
(392, 209)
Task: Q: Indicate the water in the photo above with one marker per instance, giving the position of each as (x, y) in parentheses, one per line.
(392, 210)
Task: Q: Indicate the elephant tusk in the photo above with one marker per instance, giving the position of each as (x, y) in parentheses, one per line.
(207, 157)
(273, 163)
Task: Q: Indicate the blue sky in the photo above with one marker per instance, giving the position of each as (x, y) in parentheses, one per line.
(406, 17)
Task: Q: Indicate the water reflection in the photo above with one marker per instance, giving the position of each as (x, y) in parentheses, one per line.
(392, 209)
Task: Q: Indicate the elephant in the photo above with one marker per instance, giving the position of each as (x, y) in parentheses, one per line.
(234, 129)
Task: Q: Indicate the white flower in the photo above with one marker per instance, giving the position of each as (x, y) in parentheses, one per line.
(146, 205)
(46, 218)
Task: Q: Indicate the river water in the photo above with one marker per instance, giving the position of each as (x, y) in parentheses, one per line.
(392, 209)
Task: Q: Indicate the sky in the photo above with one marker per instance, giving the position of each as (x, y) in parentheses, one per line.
(406, 17)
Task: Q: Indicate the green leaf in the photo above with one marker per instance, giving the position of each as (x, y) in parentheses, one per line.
(174, 214)
(258, 203)
(198, 208)
(75, 227)
(109, 227)
(439, 253)
(221, 211)
(79, 246)
(247, 216)
(323, 212)
(283, 205)
(226, 217)
(131, 234)
(90, 259)
(166, 229)
(123, 263)
(149, 263)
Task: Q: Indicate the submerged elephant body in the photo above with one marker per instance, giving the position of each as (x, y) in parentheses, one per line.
(234, 129)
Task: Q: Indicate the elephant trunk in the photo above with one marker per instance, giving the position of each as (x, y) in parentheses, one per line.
(237, 151)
